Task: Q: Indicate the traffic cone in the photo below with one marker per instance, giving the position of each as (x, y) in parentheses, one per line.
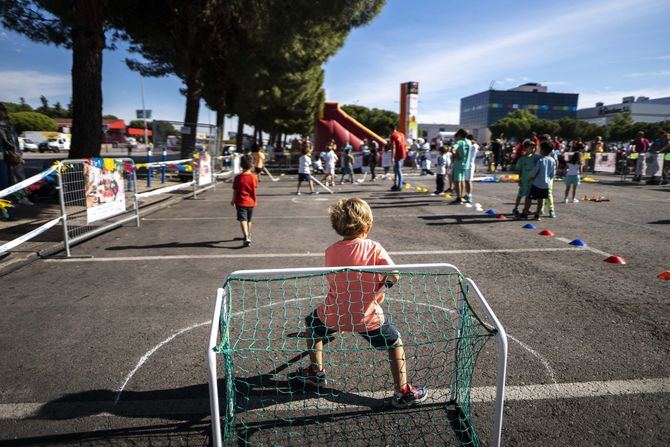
(664, 275)
(501, 217)
(448, 196)
(546, 233)
(529, 226)
(491, 212)
(578, 243)
(615, 260)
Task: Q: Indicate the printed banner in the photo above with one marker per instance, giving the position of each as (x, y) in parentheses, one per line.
(105, 194)
(605, 162)
(204, 169)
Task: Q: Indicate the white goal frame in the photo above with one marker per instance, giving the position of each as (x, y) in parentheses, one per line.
(220, 308)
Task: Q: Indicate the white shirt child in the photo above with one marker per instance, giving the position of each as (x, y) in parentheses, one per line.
(305, 165)
(331, 160)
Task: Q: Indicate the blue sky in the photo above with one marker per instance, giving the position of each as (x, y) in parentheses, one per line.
(603, 50)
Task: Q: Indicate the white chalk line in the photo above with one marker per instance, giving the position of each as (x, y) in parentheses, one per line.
(319, 254)
(167, 407)
(587, 248)
(146, 356)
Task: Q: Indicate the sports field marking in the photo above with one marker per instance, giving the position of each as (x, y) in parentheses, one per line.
(156, 408)
(319, 254)
(149, 353)
(320, 216)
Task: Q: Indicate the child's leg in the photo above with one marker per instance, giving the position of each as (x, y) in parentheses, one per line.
(299, 183)
(550, 198)
(311, 186)
(315, 350)
(540, 204)
(248, 229)
(567, 192)
(574, 191)
(244, 225)
(518, 200)
(526, 206)
(398, 366)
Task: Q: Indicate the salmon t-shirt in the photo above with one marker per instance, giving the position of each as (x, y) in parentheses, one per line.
(354, 298)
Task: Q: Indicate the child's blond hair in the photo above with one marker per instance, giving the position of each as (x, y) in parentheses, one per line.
(350, 217)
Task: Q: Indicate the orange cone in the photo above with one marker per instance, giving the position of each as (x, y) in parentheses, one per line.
(502, 217)
(665, 275)
(615, 260)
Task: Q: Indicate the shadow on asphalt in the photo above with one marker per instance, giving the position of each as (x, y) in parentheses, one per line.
(661, 222)
(466, 219)
(204, 244)
(179, 434)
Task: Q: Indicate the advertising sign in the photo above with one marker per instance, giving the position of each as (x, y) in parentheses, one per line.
(105, 196)
(605, 162)
(143, 114)
(409, 108)
(204, 169)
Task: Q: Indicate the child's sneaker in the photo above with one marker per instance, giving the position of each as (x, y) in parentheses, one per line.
(537, 217)
(575, 200)
(567, 201)
(468, 198)
(523, 216)
(298, 193)
(552, 214)
(314, 193)
(515, 213)
(413, 395)
(308, 376)
(247, 242)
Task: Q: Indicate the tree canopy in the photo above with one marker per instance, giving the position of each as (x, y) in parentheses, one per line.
(24, 121)
(377, 120)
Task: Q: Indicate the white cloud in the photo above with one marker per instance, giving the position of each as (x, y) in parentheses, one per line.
(649, 74)
(31, 84)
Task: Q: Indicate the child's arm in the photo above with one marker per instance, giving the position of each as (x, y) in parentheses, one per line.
(232, 201)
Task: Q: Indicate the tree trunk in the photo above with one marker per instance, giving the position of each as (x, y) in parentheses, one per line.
(191, 117)
(240, 134)
(218, 144)
(88, 41)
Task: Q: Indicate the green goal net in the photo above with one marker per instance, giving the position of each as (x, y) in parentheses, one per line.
(261, 339)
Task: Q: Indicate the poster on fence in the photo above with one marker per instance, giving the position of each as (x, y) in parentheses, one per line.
(605, 163)
(204, 169)
(105, 195)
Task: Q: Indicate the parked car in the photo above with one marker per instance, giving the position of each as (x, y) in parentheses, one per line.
(27, 145)
(55, 145)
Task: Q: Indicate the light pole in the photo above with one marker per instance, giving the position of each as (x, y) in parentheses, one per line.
(146, 140)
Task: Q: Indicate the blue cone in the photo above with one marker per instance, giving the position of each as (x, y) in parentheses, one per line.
(578, 243)
(491, 212)
(404, 183)
(529, 226)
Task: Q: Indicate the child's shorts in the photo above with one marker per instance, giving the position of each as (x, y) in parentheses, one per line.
(304, 177)
(572, 180)
(524, 189)
(244, 213)
(538, 193)
(459, 174)
(385, 337)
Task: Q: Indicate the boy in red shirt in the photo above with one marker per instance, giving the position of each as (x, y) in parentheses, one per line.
(244, 196)
(353, 303)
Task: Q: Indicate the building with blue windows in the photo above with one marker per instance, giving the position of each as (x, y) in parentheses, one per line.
(481, 110)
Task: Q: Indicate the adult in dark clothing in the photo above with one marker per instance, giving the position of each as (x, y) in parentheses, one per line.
(497, 149)
(374, 156)
(11, 152)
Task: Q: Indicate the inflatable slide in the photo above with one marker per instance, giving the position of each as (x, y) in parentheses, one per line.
(335, 124)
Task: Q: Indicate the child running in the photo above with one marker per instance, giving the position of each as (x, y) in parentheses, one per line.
(244, 196)
(305, 170)
(572, 178)
(542, 175)
(353, 302)
(525, 166)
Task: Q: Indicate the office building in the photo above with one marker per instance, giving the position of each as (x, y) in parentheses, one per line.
(481, 110)
(642, 109)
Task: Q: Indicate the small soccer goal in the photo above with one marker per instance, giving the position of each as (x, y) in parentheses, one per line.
(259, 339)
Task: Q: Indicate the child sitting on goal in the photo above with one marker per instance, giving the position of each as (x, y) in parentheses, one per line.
(353, 302)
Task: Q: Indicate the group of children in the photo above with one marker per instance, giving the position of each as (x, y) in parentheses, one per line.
(456, 167)
(537, 172)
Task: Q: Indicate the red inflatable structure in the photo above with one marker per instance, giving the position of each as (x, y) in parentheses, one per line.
(335, 124)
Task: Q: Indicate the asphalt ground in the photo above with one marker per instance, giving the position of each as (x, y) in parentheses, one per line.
(588, 354)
